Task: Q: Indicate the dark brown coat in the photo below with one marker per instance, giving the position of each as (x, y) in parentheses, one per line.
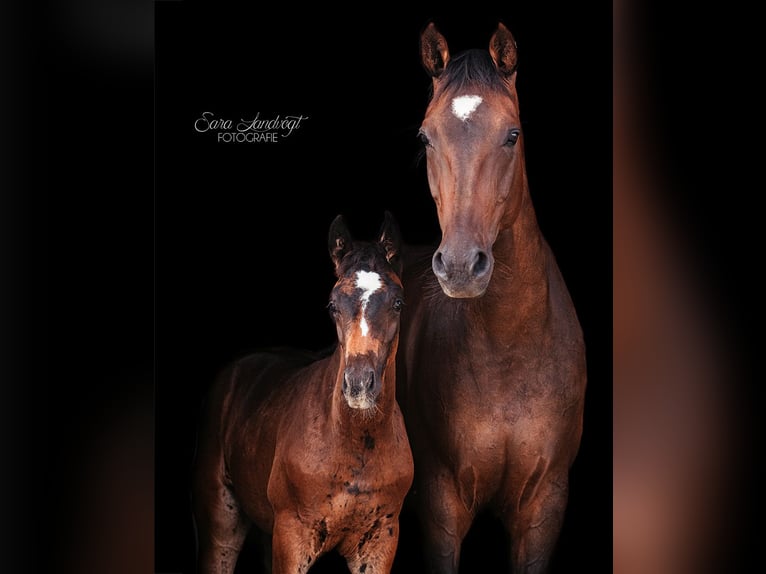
(313, 451)
(492, 370)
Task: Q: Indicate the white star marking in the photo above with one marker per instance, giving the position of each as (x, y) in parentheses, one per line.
(464, 106)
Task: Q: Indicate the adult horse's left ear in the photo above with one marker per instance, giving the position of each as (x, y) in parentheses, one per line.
(391, 240)
(502, 48)
(339, 240)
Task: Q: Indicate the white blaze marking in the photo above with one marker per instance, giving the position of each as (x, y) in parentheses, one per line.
(464, 106)
(368, 282)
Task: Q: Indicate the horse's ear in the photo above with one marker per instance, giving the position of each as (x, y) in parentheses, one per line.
(391, 240)
(502, 48)
(339, 241)
(434, 53)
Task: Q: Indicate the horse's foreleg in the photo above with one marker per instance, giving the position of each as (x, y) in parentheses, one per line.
(375, 551)
(221, 529)
(446, 520)
(535, 524)
(295, 545)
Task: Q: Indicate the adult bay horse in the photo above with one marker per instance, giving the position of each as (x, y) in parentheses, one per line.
(313, 452)
(492, 363)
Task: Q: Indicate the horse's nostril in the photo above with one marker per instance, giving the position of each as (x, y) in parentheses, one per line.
(344, 386)
(370, 381)
(480, 265)
(438, 264)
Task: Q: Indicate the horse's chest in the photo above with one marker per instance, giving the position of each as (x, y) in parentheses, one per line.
(335, 480)
(474, 403)
(351, 495)
(346, 481)
(486, 373)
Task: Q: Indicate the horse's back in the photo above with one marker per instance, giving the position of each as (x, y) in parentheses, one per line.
(249, 381)
(262, 389)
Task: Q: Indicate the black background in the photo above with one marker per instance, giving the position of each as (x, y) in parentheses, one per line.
(240, 229)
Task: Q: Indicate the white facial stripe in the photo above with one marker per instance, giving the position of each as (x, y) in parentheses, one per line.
(368, 282)
(464, 106)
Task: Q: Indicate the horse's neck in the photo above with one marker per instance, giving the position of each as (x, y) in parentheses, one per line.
(521, 278)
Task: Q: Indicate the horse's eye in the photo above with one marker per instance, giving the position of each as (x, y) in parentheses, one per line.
(398, 304)
(513, 137)
(423, 138)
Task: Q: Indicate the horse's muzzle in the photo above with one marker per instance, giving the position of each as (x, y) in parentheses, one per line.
(463, 273)
(361, 387)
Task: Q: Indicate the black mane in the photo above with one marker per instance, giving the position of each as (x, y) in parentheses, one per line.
(471, 69)
(364, 255)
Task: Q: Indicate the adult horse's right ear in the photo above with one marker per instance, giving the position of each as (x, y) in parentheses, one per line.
(434, 53)
(391, 240)
(339, 240)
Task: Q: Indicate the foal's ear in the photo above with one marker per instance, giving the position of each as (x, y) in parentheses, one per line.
(391, 240)
(502, 48)
(339, 241)
(434, 53)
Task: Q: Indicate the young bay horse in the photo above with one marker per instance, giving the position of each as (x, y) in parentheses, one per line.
(492, 370)
(313, 452)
